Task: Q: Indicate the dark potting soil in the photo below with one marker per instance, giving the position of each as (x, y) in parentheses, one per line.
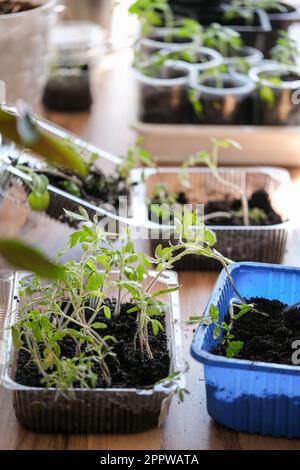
(266, 339)
(213, 83)
(96, 187)
(130, 371)
(13, 6)
(259, 200)
(292, 77)
(69, 92)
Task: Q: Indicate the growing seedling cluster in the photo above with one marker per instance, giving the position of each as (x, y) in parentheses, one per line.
(95, 183)
(164, 203)
(79, 306)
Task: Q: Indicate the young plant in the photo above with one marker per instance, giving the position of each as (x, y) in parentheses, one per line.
(224, 39)
(237, 309)
(135, 156)
(286, 50)
(152, 13)
(211, 160)
(214, 74)
(265, 90)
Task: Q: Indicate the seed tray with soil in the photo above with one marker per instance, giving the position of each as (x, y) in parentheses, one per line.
(264, 239)
(266, 338)
(257, 389)
(69, 191)
(139, 394)
(131, 371)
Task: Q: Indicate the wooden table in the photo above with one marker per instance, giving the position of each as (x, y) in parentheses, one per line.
(188, 425)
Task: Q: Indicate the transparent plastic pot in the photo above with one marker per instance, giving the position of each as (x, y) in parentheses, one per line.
(263, 243)
(165, 100)
(248, 54)
(285, 110)
(24, 39)
(227, 104)
(254, 397)
(280, 21)
(111, 410)
(172, 43)
(12, 179)
(77, 48)
(206, 59)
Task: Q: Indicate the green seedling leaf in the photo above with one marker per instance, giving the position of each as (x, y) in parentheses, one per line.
(39, 202)
(156, 327)
(99, 326)
(267, 95)
(214, 313)
(234, 348)
(245, 308)
(25, 257)
(210, 237)
(132, 310)
(107, 312)
(165, 291)
(216, 332)
(95, 281)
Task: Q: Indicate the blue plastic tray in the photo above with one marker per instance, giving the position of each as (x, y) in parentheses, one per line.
(255, 397)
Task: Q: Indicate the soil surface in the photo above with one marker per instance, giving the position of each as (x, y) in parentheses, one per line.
(130, 371)
(266, 339)
(259, 200)
(96, 188)
(9, 6)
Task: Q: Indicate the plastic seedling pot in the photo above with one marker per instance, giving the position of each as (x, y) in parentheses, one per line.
(249, 55)
(205, 59)
(13, 185)
(224, 99)
(245, 243)
(113, 410)
(165, 38)
(285, 108)
(255, 397)
(25, 38)
(280, 21)
(164, 99)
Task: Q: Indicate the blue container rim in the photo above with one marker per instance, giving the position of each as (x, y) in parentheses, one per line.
(197, 350)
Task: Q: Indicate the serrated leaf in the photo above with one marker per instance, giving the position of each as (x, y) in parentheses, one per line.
(214, 313)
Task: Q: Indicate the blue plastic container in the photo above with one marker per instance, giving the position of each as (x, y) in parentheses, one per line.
(255, 397)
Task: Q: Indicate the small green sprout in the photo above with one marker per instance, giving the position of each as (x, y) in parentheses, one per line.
(286, 50)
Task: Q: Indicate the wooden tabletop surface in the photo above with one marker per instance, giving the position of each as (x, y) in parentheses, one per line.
(188, 425)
